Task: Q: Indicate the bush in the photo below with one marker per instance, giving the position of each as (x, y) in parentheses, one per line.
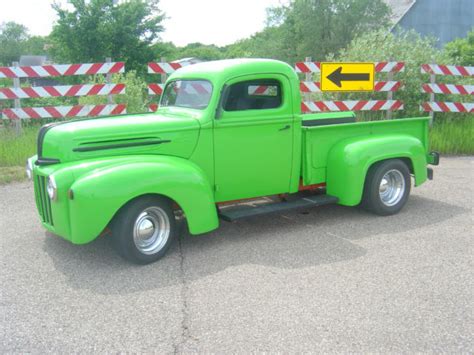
(462, 49)
(135, 97)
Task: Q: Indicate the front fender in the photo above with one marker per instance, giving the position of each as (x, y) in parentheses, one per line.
(99, 194)
(350, 160)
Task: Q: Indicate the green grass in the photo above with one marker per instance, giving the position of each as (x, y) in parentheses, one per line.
(450, 136)
(454, 136)
(11, 173)
(14, 150)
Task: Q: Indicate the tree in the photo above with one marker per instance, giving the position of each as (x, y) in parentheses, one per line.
(313, 28)
(96, 29)
(164, 50)
(462, 49)
(201, 51)
(12, 37)
(36, 45)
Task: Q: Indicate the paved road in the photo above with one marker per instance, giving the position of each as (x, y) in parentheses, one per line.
(327, 279)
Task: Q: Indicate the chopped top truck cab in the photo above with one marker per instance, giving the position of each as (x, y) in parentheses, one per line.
(225, 131)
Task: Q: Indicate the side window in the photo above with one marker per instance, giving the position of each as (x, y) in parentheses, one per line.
(254, 95)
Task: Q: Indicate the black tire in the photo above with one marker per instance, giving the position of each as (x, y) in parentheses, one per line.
(134, 220)
(375, 198)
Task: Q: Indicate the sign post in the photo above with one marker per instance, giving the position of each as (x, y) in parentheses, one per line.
(16, 102)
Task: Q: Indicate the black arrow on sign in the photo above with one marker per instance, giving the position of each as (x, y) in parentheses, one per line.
(337, 76)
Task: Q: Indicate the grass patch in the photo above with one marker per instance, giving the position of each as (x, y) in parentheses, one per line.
(11, 173)
(453, 136)
(14, 150)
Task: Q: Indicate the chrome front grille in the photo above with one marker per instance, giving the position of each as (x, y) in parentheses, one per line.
(42, 200)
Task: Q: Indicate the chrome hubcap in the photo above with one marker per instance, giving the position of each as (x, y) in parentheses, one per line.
(151, 230)
(392, 187)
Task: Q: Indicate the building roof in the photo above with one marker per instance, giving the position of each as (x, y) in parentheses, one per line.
(444, 20)
(399, 8)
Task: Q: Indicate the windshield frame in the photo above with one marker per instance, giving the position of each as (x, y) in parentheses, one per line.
(188, 79)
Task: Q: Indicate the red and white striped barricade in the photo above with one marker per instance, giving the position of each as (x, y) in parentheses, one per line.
(390, 86)
(351, 105)
(56, 70)
(165, 69)
(64, 111)
(445, 89)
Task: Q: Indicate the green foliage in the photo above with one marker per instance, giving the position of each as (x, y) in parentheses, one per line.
(462, 49)
(97, 29)
(164, 50)
(36, 45)
(135, 97)
(408, 47)
(265, 44)
(313, 28)
(12, 35)
(201, 51)
(15, 41)
(197, 50)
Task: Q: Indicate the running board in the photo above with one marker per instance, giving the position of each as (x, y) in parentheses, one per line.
(238, 212)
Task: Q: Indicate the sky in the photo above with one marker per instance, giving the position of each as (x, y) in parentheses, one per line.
(218, 22)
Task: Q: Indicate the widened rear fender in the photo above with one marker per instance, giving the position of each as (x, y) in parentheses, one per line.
(350, 160)
(99, 194)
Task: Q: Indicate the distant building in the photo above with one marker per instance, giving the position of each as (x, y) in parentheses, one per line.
(31, 60)
(187, 61)
(445, 20)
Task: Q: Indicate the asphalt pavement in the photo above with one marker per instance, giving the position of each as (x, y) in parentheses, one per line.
(326, 279)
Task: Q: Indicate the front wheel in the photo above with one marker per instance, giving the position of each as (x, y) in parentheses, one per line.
(144, 229)
(387, 187)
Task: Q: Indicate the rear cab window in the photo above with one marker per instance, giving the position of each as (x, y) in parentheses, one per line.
(258, 94)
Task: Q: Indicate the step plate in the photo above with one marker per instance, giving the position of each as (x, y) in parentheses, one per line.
(238, 212)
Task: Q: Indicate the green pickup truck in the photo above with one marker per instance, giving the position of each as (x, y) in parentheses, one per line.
(225, 131)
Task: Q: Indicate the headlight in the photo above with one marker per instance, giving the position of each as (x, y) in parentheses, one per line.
(29, 169)
(52, 188)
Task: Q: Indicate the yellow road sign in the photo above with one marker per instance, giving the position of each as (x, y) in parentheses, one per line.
(347, 76)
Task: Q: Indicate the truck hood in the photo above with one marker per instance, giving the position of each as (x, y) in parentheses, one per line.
(122, 135)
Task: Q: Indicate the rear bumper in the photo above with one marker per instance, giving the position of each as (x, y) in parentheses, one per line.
(433, 158)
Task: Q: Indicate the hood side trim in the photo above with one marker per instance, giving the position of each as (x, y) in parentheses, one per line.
(120, 145)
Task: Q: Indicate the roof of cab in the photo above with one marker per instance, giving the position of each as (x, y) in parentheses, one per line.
(223, 70)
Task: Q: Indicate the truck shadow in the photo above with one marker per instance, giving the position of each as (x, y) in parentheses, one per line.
(293, 240)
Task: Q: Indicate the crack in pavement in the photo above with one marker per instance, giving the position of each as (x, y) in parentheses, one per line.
(185, 334)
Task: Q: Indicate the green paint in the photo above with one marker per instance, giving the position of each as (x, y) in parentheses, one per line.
(205, 160)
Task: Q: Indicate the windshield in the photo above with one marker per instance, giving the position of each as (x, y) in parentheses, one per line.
(187, 93)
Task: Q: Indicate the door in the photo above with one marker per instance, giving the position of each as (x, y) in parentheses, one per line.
(253, 138)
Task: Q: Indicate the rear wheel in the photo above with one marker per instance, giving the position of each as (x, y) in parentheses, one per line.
(144, 229)
(387, 187)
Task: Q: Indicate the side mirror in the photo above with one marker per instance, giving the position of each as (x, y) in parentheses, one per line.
(222, 99)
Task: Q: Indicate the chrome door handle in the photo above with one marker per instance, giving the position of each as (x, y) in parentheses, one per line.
(284, 128)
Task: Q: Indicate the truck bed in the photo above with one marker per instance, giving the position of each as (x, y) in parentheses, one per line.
(321, 132)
